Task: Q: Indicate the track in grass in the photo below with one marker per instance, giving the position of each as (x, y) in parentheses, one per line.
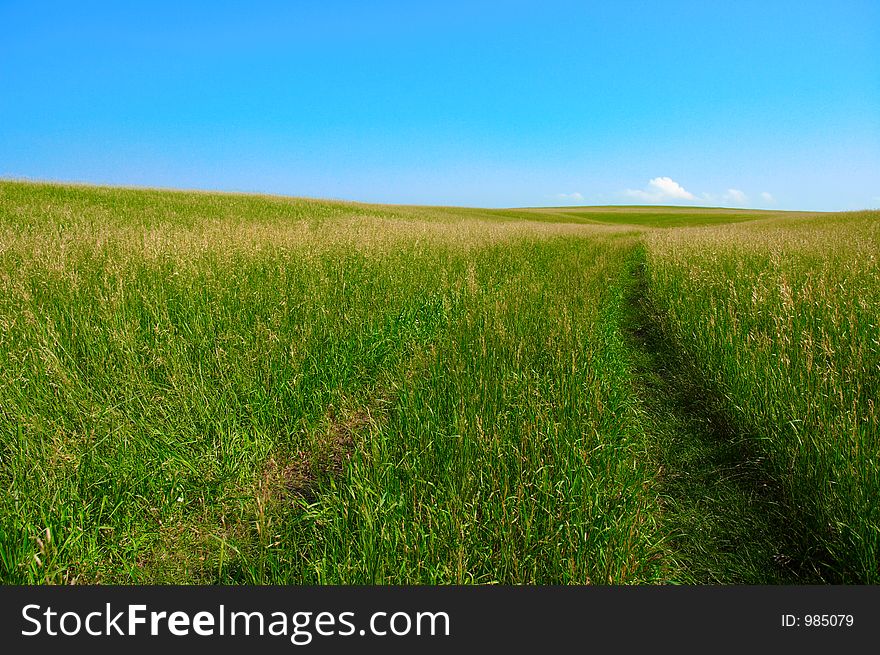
(727, 520)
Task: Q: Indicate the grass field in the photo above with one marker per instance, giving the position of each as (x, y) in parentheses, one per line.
(218, 388)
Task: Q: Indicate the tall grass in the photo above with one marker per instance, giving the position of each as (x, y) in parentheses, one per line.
(781, 316)
(221, 388)
(512, 453)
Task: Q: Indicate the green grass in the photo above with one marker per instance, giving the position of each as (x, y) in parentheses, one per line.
(782, 320)
(653, 216)
(224, 388)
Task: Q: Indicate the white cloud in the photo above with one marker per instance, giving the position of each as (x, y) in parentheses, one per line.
(767, 197)
(735, 196)
(570, 197)
(661, 188)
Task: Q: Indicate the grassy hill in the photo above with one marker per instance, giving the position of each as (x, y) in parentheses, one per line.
(222, 388)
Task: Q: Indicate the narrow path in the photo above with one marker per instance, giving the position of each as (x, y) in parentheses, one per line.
(725, 516)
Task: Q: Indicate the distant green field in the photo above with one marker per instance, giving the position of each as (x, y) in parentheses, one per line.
(220, 388)
(669, 217)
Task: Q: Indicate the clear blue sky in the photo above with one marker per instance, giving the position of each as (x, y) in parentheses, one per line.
(468, 103)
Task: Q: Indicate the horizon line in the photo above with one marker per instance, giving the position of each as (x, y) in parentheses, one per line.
(265, 194)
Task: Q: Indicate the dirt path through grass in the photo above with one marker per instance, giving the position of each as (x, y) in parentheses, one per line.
(726, 519)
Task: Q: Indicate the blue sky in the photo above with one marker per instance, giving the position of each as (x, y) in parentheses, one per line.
(764, 104)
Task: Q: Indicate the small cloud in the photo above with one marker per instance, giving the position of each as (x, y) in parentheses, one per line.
(767, 197)
(661, 188)
(570, 197)
(735, 196)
